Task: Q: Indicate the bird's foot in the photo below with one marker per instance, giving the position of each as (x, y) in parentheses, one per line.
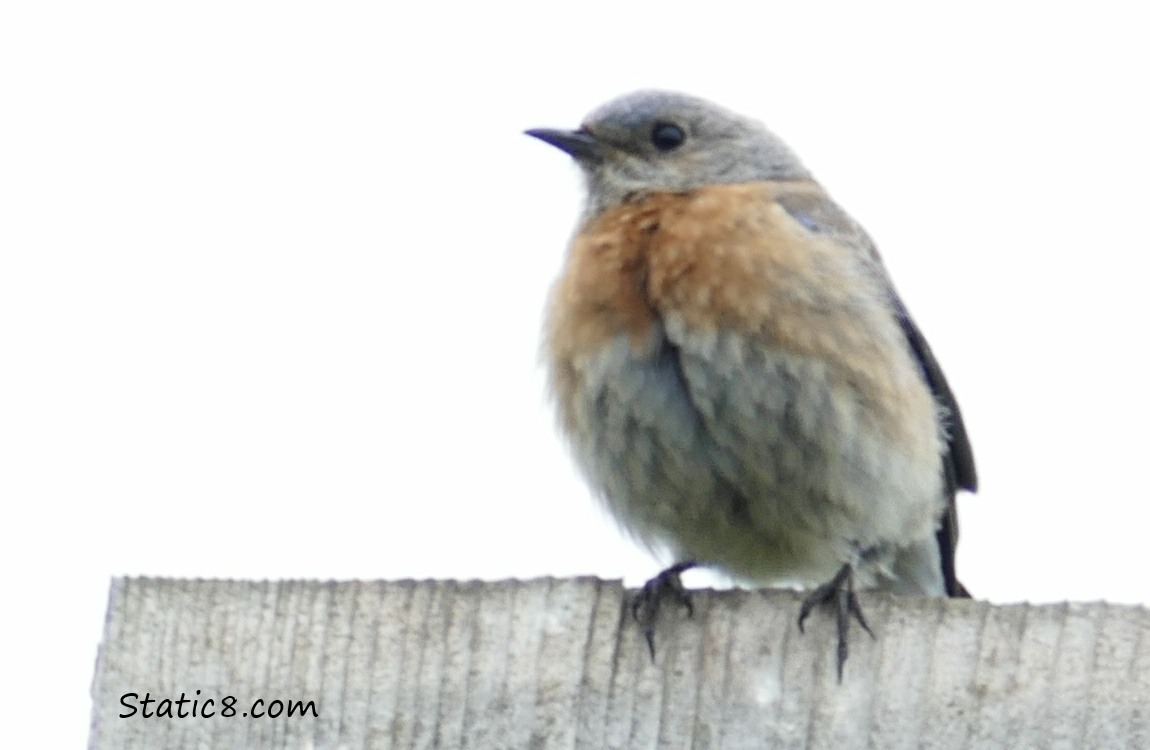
(645, 605)
(839, 590)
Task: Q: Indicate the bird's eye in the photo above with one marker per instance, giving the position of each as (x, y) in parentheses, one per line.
(667, 136)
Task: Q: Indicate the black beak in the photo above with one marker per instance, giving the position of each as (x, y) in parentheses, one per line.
(578, 143)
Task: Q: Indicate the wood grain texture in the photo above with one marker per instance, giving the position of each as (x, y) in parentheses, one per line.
(546, 664)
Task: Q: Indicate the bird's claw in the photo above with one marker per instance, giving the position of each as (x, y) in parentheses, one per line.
(839, 590)
(645, 605)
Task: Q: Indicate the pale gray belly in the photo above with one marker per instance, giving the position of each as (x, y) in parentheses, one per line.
(753, 461)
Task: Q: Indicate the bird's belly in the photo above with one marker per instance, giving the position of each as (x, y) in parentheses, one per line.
(759, 462)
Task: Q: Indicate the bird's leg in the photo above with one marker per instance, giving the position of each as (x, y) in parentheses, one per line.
(841, 591)
(645, 604)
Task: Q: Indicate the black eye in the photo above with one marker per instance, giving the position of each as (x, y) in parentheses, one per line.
(667, 136)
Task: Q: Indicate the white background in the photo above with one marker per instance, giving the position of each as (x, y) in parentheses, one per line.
(271, 281)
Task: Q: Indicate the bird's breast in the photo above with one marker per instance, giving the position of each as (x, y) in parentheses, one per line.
(705, 343)
(687, 268)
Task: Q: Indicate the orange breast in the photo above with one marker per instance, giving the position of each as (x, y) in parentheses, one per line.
(729, 258)
(723, 256)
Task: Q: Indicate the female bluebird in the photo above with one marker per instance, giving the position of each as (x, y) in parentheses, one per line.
(737, 377)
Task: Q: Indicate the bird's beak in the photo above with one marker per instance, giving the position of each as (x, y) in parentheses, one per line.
(579, 144)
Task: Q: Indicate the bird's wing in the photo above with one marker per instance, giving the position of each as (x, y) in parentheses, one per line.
(819, 214)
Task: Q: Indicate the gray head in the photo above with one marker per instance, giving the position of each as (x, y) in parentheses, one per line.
(660, 140)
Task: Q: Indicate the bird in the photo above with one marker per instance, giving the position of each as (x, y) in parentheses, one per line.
(737, 378)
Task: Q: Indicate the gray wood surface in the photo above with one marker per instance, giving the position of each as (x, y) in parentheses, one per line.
(554, 663)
